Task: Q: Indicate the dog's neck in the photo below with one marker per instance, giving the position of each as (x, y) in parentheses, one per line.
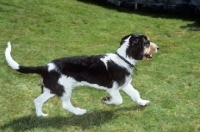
(131, 65)
(122, 52)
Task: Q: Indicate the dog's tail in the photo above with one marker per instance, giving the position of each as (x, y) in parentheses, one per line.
(23, 69)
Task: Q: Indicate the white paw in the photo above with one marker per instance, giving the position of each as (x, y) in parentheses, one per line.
(79, 111)
(42, 115)
(143, 102)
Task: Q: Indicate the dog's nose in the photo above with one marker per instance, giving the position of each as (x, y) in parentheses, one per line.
(158, 48)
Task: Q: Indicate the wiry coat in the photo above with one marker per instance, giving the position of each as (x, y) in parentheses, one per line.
(111, 72)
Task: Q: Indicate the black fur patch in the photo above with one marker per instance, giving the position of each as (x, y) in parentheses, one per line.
(27, 70)
(85, 68)
(117, 72)
(50, 80)
(137, 42)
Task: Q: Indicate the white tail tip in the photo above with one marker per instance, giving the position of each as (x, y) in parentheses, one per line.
(9, 58)
(8, 49)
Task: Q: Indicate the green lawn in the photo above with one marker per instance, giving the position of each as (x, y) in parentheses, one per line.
(42, 30)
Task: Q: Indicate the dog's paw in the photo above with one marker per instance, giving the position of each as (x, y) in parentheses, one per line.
(42, 115)
(79, 111)
(106, 100)
(143, 102)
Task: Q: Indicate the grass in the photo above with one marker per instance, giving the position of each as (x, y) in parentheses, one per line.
(42, 30)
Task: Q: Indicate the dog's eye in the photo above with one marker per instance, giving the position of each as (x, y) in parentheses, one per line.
(147, 43)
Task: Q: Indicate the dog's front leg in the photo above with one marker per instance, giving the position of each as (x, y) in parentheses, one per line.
(115, 97)
(135, 96)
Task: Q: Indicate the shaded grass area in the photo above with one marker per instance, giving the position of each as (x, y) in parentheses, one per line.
(41, 31)
(195, 26)
(91, 120)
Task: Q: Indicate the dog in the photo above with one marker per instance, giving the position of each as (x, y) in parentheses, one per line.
(111, 72)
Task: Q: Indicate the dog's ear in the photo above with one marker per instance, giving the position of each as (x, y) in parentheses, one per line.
(136, 46)
(124, 38)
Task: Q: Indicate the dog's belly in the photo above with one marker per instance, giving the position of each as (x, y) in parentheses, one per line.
(114, 84)
(83, 83)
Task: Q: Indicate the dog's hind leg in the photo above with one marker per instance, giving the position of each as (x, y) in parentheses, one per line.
(115, 97)
(39, 101)
(67, 105)
(68, 83)
(135, 96)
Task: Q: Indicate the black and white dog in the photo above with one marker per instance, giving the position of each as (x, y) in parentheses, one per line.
(111, 72)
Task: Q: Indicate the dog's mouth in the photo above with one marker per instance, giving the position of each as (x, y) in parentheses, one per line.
(147, 56)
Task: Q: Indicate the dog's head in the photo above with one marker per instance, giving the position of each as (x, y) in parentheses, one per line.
(139, 47)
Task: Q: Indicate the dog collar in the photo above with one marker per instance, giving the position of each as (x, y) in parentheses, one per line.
(131, 65)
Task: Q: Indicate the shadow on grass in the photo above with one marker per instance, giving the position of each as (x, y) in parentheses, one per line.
(87, 121)
(155, 14)
(194, 26)
(84, 122)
